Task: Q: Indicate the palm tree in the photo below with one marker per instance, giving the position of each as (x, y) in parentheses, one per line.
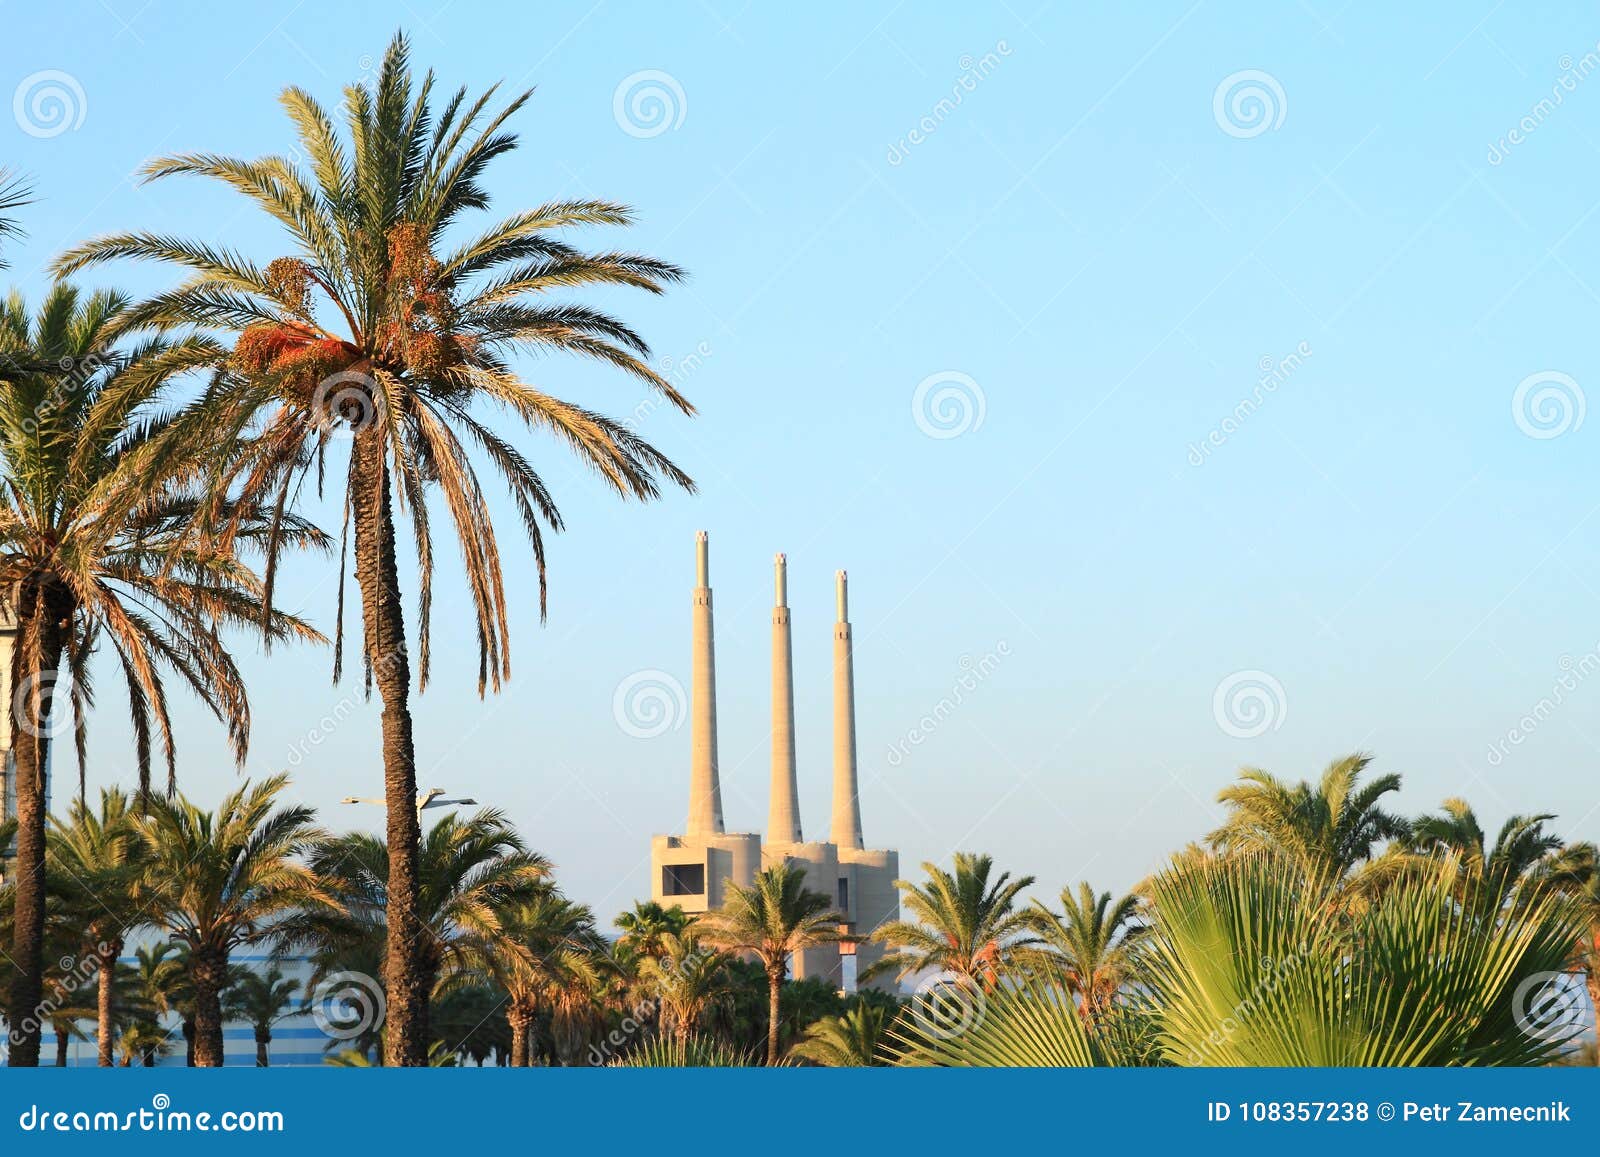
(15, 193)
(96, 542)
(678, 1052)
(855, 1039)
(1333, 828)
(1249, 966)
(377, 328)
(556, 944)
(219, 881)
(260, 999)
(686, 979)
(96, 863)
(1031, 1024)
(644, 926)
(772, 919)
(1095, 944)
(1521, 847)
(963, 924)
(161, 985)
(469, 871)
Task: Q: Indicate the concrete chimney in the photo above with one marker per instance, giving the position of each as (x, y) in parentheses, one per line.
(705, 790)
(783, 816)
(846, 801)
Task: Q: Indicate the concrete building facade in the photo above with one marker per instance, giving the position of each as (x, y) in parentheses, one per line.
(693, 870)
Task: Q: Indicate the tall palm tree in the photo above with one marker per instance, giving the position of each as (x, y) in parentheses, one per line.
(557, 947)
(378, 328)
(855, 1039)
(963, 923)
(1094, 944)
(772, 919)
(95, 860)
(261, 1000)
(470, 871)
(97, 543)
(1523, 846)
(1334, 827)
(220, 880)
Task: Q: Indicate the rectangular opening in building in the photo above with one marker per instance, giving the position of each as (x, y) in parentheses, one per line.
(844, 894)
(683, 880)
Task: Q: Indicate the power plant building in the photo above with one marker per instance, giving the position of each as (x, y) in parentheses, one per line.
(693, 870)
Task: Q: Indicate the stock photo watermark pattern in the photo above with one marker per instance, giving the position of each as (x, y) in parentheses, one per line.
(648, 103)
(1548, 404)
(1248, 704)
(1249, 103)
(948, 404)
(49, 103)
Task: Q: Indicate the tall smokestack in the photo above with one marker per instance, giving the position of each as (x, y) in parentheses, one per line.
(783, 816)
(846, 803)
(705, 790)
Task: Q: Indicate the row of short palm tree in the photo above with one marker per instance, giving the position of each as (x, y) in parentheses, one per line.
(1313, 927)
(154, 455)
(502, 940)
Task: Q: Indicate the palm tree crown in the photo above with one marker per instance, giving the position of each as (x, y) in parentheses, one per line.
(1332, 828)
(1095, 942)
(964, 923)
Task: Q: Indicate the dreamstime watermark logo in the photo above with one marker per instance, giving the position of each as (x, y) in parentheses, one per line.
(676, 372)
(948, 1004)
(1274, 373)
(349, 1004)
(49, 103)
(41, 705)
(649, 703)
(974, 672)
(1574, 672)
(1248, 704)
(1573, 73)
(972, 73)
(1248, 103)
(1548, 404)
(1549, 1006)
(649, 103)
(948, 404)
(345, 403)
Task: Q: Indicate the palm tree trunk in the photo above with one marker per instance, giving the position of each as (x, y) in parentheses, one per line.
(383, 623)
(43, 612)
(208, 970)
(61, 1048)
(106, 962)
(774, 987)
(519, 1038)
(188, 1041)
(263, 1039)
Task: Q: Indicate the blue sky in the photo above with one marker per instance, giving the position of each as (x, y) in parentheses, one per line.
(1094, 245)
